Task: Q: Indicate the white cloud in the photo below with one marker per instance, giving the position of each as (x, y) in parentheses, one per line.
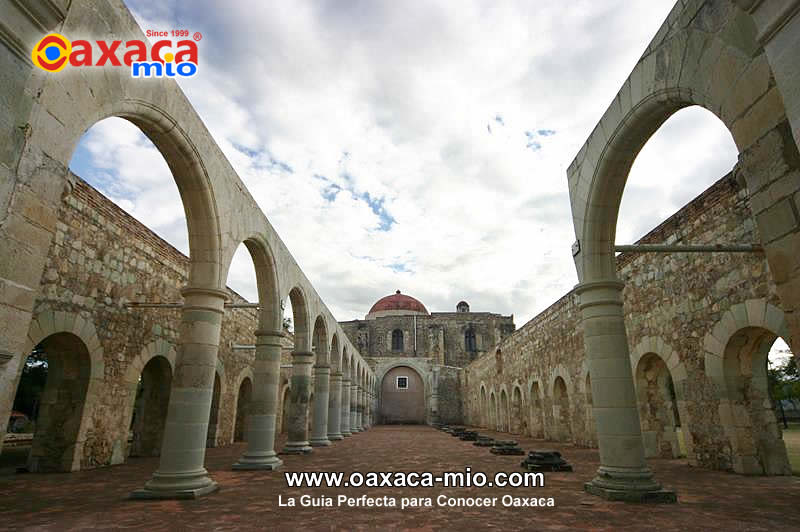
(395, 101)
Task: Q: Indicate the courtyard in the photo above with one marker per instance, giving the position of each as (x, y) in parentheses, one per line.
(98, 499)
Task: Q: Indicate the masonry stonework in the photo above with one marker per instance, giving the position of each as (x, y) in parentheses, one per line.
(674, 303)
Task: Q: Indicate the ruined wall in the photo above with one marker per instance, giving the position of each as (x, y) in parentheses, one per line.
(674, 305)
(439, 336)
(100, 259)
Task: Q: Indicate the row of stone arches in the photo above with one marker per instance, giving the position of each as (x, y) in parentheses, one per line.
(220, 216)
(732, 370)
(65, 430)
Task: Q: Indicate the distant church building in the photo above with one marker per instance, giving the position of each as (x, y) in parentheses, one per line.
(416, 355)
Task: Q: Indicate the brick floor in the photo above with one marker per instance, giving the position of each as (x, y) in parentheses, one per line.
(249, 500)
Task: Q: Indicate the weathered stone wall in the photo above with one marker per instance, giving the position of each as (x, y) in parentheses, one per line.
(682, 310)
(439, 335)
(440, 347)
(100, 259)
(449, 397)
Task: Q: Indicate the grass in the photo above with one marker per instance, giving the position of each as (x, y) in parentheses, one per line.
(791, 437)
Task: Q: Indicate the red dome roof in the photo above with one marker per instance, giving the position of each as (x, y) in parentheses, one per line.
(398, 301)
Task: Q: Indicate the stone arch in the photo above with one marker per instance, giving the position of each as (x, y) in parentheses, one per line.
(589, 436)
(658, 408)
(735, 362)
(243, 398)
(300, 316)
(320, 341)
(213, 433)
(153, 408)
(503, 417)
(335, 353)
(285, 401)
(561, 409)
(664, 404)
(186, 162)
(517, 422)
(484, 407)
(403, 405)
(493, 414)
(76, 369)
(537, 413)
(270, 315)
(744, 99)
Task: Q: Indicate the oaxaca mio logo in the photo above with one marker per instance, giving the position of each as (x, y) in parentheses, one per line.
(166, 59)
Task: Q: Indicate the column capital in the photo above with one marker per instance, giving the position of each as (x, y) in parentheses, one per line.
(302, 357)
(345, 380)
(322, 367)
(336, 375)
(269, 333)
(601, 292)
(208, 299)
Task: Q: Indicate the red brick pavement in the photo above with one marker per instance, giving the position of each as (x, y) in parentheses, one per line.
(97, 499)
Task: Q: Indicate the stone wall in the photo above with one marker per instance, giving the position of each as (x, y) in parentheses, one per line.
(100, 259)
(684, 312)
(439, 336)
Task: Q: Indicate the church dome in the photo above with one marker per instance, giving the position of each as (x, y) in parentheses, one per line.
(396, 304)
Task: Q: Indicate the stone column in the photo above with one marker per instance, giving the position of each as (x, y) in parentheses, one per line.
(260, 453)
(345, 408)
(623, 473)
(180, 473)
(335, 408)
(319, 432)
(299, 396)
(354, 426)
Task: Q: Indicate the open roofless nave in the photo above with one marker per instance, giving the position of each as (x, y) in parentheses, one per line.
(649, 377)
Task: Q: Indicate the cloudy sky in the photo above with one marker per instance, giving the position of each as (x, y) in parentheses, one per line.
(419, 146)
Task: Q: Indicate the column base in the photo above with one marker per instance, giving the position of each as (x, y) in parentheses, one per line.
(347, 434)
(657, 496)
(638, 485)
(270, 462)
(355, 430)
(320, 442)
(180, 486)
(296, 448)
(336, 437)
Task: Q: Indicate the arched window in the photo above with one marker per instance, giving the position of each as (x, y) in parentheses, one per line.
(397, 340)
(469, 340)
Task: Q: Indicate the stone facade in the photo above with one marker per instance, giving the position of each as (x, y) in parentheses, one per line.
(433, 347)
(682, 310)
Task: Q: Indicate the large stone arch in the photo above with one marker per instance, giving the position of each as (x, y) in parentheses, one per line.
(710, 54)
(63, 449)
(735, 363)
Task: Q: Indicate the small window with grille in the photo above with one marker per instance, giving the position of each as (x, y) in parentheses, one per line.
(402, 383)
